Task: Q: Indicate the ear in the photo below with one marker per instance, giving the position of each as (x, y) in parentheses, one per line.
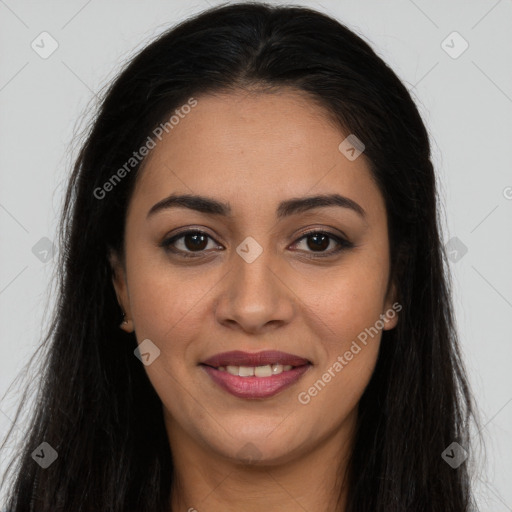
(391, 308)
(121, 288)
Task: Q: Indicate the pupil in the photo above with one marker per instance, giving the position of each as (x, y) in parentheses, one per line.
(197, 243)
(323, 245)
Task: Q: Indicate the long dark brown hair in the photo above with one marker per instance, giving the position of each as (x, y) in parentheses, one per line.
(96, 406)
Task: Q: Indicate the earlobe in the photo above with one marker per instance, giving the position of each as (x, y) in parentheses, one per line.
(127, 324)
(390, 317)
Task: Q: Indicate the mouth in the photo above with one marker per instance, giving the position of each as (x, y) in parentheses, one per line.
(259, 375)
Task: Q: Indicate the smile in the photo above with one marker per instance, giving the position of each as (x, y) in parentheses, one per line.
(256, 376)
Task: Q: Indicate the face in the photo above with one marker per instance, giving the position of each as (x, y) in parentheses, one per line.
(263, 271)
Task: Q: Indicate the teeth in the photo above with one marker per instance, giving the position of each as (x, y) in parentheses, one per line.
(246, 371)
(233, 370)
(263, 371)
(277, 369)
(256, 371)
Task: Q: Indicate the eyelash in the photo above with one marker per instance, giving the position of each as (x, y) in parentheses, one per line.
(342, 243)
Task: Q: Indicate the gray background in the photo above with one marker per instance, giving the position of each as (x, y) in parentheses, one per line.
(465, 100)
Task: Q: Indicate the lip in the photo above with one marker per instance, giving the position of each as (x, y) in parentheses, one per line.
(255, 387)
(240, 358)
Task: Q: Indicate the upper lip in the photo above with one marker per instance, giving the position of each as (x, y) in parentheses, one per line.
(239, 358)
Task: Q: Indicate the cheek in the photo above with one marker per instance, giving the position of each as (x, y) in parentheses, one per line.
(348, 313)
(348, 298)
(352, 340)
(169, 310)
(165, 307)
(164, 296)
(345, 305)
(337, 389)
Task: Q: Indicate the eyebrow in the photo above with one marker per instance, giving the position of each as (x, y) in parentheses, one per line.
(285, 209)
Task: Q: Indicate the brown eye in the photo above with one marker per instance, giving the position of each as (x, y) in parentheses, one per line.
(188, 242)
(319, 241)
(195, 242)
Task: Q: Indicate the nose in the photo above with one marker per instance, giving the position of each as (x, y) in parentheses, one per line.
(254, 297)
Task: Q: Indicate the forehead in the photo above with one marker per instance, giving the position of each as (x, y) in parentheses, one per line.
(246, 145)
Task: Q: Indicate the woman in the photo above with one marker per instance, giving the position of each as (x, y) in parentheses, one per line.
(254, 310)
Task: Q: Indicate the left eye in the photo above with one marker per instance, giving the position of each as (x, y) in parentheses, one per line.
(319, 241)
(189, 242)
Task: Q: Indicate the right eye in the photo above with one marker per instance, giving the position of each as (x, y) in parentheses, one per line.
(187, 243)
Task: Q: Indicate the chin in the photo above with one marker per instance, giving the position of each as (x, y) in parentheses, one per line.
(262, 451)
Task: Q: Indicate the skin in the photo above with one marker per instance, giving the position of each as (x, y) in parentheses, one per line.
(254, 150)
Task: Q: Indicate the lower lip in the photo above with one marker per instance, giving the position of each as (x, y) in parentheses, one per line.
(255, 387)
